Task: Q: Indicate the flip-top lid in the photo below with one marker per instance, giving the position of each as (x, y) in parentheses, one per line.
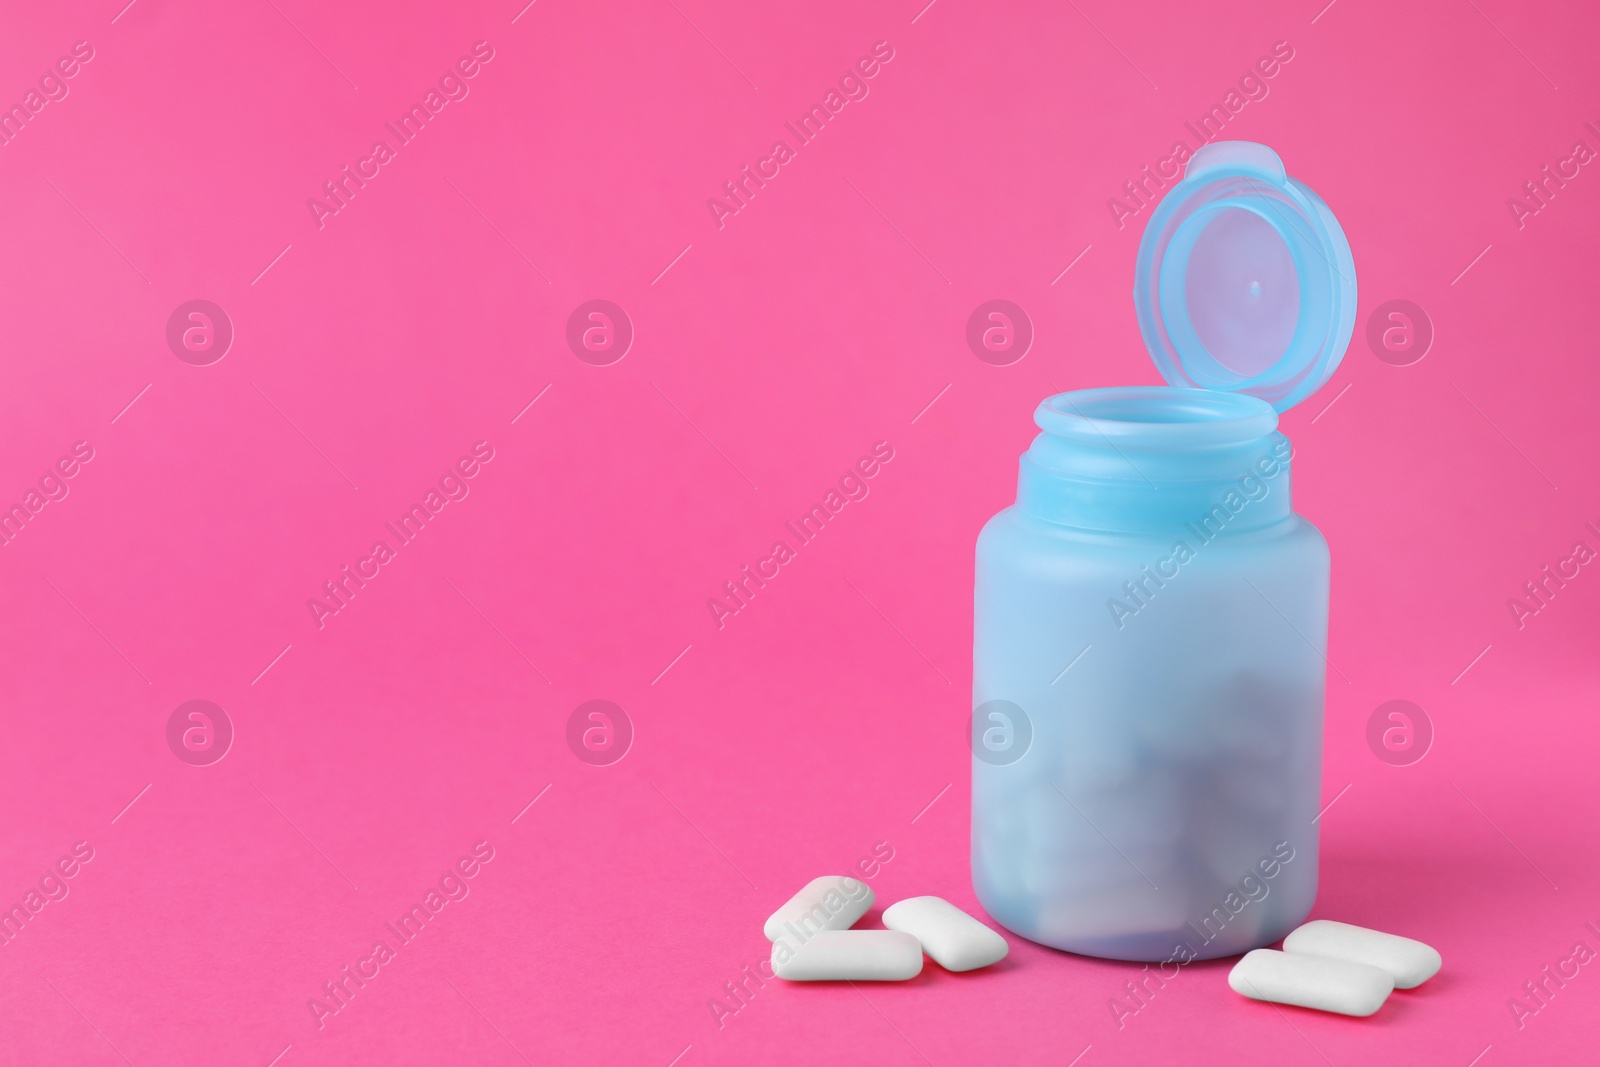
(1245, 282)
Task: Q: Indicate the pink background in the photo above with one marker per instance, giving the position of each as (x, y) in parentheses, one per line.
(824, 718)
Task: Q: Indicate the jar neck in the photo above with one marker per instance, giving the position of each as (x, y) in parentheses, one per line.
(1156, 460)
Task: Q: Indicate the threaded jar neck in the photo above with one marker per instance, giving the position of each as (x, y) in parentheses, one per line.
(1149, 459)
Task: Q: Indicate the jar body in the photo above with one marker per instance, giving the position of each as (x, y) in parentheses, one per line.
(1148, 703)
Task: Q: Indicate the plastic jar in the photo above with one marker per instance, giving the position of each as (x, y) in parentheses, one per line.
(1151, 615)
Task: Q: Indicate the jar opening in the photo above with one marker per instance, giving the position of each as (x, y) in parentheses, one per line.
(1157, 416)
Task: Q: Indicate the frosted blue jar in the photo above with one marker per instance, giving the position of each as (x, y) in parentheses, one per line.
(1151, 616)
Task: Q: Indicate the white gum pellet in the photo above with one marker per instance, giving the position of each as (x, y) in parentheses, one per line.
(1311, 982)
(955, 940)
(849, 955)
(832, 902)
(1408, 962)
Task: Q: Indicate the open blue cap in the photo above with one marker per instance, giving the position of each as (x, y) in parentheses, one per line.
(1245, 282)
